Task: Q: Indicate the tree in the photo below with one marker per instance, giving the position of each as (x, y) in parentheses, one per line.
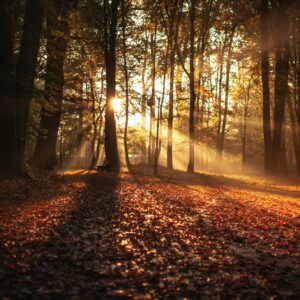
(192, 13)
(265, 67)
(281, 52)
(126, 75)
(281, 75)
(110, 32)
(293, 99)
(57, 16)
(8, 161)
(224, 122)
(26, 69)
(173, 12)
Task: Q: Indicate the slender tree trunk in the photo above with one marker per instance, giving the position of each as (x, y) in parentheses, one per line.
(99, 139)
(244, 139)
(26, 69)
(92, 75)
(157, 140)
(282, 166)
(151, 102)
(199, 99)
(126, 83)
(220, 79)
(192, 14)
(245, 123)
(159, 116)
(223, 129)
(219, 108)
(265, 66)
(110, 28)
(298, 88)
(173, 16)
(100, 118)
(294, 130)
(61, 151)
(178, 83)
(44, 156)
(8, 156)
(171, 105)
(144, 106)
(281, 79)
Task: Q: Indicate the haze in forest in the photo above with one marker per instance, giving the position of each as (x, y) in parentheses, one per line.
(204, 86)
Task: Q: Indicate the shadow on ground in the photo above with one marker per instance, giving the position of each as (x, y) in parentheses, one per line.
(140, 237)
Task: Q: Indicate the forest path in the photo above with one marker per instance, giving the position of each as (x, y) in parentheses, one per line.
(135, 236)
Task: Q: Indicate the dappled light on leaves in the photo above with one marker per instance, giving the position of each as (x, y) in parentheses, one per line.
(143, 237)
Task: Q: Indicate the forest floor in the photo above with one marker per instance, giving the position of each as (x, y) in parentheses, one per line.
(109, 236)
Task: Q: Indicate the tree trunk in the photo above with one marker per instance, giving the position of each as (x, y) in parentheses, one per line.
(61, 150)
(298, 88)
(110, 29)
(159, 116)
(157, 140)
(151, 102)
(126, 84)
(100, 120)
(281, 79)
(92, 75)
(171, 104)
(245, 122)
(173, 17)
(44, 156)
(294, 130)
(144, 106)
(282, 165)
(244, 139)
(191, 164)
(223, 129)
(265, 67)
(220, 79)
(8, 156)
(26, 69)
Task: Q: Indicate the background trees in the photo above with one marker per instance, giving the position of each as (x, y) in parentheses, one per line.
(200, 84)
(8, 108)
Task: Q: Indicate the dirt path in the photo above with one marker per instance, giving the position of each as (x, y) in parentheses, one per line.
(107, 236)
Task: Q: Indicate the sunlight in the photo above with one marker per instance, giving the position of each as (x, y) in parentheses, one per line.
(117, 104)
(205, 158)
(135, 120)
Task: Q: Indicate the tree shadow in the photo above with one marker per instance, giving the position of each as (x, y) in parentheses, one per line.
(64, 264)
(258, 265)
(136, 240)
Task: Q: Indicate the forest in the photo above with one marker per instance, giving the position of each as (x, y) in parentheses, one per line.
(150, 149)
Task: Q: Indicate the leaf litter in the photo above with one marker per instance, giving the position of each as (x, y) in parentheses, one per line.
(140, 237)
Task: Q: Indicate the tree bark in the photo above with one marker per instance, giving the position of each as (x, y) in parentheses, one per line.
(151, 102)
(110, 30)
(44, 156)
(92, 75)
(191, 164)
(126, 75)
(159, 116)
(281, 78)
(220, 80)
(171, 104)
(8, 155)
(26, 69)
(144, 105)
(265, 68)
(298, 93)
(173, 17)
(224, 123)
(245, 124)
